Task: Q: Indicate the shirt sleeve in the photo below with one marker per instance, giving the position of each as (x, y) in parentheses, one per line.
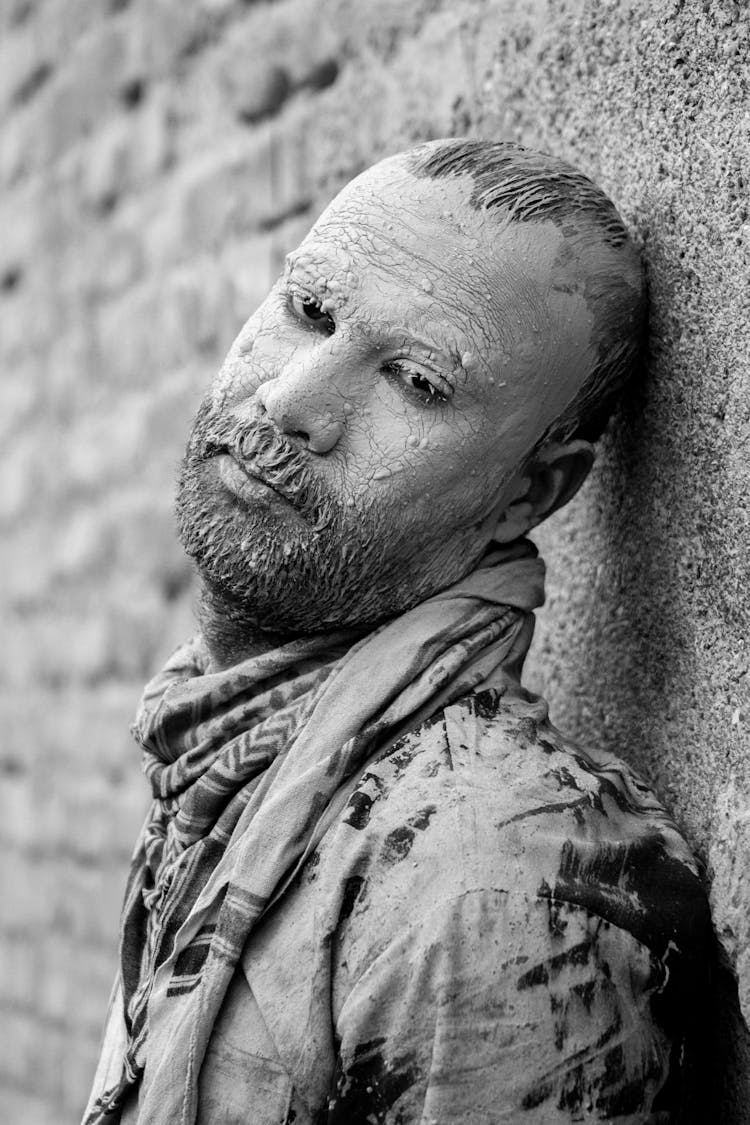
(497, 1008)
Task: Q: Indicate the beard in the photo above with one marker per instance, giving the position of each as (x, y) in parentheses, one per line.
(319, 562)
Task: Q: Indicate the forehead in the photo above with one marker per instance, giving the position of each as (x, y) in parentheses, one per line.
(417, 244)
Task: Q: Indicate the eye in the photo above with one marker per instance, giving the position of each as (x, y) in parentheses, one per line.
(428, 386)
(308, 308)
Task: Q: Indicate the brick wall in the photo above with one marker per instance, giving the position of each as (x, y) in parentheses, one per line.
(157, 159)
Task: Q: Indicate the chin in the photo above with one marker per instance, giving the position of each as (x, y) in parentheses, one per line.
(262, 570)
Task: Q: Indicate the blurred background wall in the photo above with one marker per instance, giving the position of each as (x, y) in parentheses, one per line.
(157, 160)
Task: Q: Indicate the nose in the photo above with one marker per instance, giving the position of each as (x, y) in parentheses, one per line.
(305, 401)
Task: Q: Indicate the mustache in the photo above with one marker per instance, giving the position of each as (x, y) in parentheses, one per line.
(262, 451)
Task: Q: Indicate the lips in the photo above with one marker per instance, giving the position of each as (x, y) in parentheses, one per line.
(250, 486)
(255, 463)
(238, 477)
(261, 479)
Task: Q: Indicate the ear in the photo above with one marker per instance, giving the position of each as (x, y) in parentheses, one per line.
(549, 480)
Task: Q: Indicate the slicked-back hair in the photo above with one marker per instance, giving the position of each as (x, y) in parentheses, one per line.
(530, 186)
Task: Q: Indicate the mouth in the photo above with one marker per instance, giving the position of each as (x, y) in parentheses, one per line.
(250, 487)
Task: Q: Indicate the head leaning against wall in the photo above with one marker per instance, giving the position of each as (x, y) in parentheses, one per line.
(426, 376)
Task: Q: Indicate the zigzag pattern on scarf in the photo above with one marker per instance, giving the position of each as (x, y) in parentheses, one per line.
(200, 798)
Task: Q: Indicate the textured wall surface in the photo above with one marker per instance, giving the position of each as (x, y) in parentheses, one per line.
(157, 159)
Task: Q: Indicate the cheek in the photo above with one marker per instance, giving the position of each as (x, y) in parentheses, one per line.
(461, 476)
(253, 359)
(437, 489)
(404, 438)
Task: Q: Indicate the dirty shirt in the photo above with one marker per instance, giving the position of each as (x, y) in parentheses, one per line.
(445, 912)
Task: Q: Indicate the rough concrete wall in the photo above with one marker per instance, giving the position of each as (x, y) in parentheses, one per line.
(157, 159)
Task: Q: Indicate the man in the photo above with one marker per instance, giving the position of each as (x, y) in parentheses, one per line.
(376, 884)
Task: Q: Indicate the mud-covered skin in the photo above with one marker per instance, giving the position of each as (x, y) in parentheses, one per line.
(499, 928)
(410, 357)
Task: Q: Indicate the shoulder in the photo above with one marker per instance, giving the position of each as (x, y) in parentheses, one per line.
(488, 796)
(484, 869)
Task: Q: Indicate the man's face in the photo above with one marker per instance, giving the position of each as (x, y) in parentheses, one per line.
(370, 423)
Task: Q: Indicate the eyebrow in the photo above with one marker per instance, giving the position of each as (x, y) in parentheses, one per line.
(450, 355)
(296, 261)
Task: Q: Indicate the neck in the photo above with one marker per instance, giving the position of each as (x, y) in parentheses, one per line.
(230, 635)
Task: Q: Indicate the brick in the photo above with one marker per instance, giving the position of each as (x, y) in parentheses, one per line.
(254, 92)
(64, 24)
(27, 570)
(129, 339)
(19, 824)
(55, 997)
(53, 810)
(15, 14)
(224, 195)
(90, 836)
(110, 262)
(28, 1106)
(73, 729)
(86, 545)
(21, 60)
(19, 972)
(136, 637)
(445, 40)
(380, 30)
(311, 164)
(67, 107)
(90, 908)
(78, 1073)
(60, 647)
(162, 325)
(68, 365)
(101, 447)
(288, 235)
(92, 976)
(251, 266)
(144, 533)
(247, 185)
(166, 31)
(126, 154)
(25, 883)
(21, 395)
(128, 814)
(14, 155)
(20, 1046)
(101, 63)
(51, 1045)
(22, 480)
(218, 8)
(27, 326)
(300, 47)
(54, 122)
(107, 171)
(155, 131)
(198, 315)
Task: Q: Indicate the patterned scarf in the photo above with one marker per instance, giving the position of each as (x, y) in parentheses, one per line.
(248, 768)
